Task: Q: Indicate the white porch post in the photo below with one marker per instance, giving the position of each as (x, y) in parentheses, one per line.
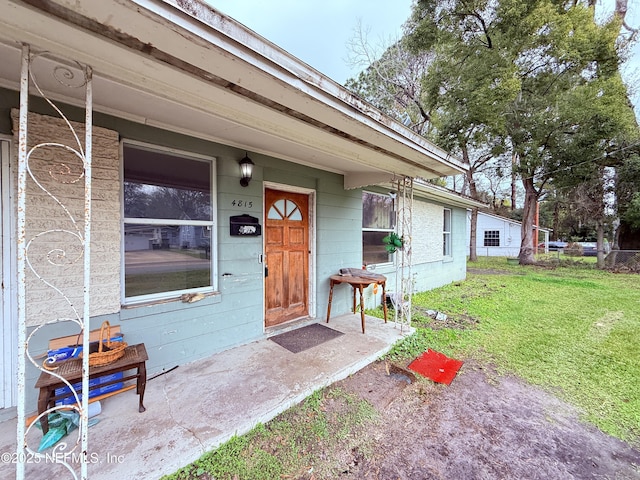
(28, 184)
(21, 252)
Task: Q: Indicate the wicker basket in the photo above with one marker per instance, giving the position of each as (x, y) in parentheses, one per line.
(108, 351)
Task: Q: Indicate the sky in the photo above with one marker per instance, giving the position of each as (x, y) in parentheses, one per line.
(319, 33)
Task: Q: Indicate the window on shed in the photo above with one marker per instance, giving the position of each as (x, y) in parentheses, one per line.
(378, 220)
(168, 220)
(492, 238)
(446, 233)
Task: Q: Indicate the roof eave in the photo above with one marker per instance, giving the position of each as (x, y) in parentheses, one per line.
(189, 38)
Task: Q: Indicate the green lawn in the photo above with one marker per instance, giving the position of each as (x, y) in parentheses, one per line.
(571, 329)
(290, 445)
(568, 328)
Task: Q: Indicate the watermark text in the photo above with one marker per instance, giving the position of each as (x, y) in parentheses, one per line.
(58, 454)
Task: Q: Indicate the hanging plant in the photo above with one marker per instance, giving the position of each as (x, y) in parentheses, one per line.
(392, 242)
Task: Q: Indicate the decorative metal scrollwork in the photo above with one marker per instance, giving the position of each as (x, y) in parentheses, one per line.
(60, 247)
(403, 260)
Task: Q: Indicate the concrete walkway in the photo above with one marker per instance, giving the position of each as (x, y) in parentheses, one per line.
(198, 406)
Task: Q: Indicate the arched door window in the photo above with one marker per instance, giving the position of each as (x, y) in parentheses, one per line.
(284, 209)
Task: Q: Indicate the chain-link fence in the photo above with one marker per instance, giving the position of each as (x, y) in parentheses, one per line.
(623, 260)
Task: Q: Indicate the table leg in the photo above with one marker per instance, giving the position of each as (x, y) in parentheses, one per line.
(361, 304)
(142, 383)
(330, 299)
(43, 403)
(384, 301)
(354, 299)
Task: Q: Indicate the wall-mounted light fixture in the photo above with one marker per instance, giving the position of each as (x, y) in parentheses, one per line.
(246, 170)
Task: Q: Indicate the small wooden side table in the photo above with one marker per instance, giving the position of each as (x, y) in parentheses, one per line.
(359, 283)
(134, 357)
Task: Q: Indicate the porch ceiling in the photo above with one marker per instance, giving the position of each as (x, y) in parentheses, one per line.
(190, 69)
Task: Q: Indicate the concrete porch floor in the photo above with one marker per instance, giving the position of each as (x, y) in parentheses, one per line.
(198, 406)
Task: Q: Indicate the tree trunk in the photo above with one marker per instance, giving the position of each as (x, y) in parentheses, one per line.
(514, 158)
(600, 217)
(473, 254)
(556, 220)
(612, 256)
(473, 193)
(600, 243)
(528, 216)
(621, 9)
(621, 12)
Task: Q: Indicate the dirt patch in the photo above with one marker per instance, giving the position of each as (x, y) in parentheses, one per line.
(482, 426)
(380, 383)
(438, 320)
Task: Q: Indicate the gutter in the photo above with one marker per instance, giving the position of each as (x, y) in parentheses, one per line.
(444, 195)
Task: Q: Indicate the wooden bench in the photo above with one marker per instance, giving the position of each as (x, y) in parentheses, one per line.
(134, 357)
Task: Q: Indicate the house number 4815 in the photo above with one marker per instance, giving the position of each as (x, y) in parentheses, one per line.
(242, 203)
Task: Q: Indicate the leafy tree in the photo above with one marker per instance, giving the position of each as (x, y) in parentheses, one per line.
(469, 85)
(515, 70)
(627, 191)
(535, 81)
(395, 83)
(178, 203)
(632, 214)
(598, 120)
(147, 201)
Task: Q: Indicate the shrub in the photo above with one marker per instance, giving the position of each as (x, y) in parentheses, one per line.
(574, 249)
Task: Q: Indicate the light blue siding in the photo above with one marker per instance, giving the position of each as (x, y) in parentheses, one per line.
(175, 332)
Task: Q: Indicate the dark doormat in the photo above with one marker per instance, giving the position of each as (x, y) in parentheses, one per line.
(304, 338)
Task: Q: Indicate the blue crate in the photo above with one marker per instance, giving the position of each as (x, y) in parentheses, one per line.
(93, 382)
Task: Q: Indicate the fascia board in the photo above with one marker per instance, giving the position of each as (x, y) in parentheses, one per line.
(179, 35)
(280, 66)
(140, 71)
(433, 192)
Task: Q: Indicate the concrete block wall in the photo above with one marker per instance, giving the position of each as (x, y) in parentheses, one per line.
(428, 224)
(55, 219)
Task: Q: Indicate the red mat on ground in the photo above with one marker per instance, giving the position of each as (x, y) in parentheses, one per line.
(436, 366)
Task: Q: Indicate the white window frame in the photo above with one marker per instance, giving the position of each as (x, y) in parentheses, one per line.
(485, 238)
(388, 230)
(153, 297)
(446, 234)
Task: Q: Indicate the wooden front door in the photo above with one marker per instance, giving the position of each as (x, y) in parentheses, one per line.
(287, 256)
